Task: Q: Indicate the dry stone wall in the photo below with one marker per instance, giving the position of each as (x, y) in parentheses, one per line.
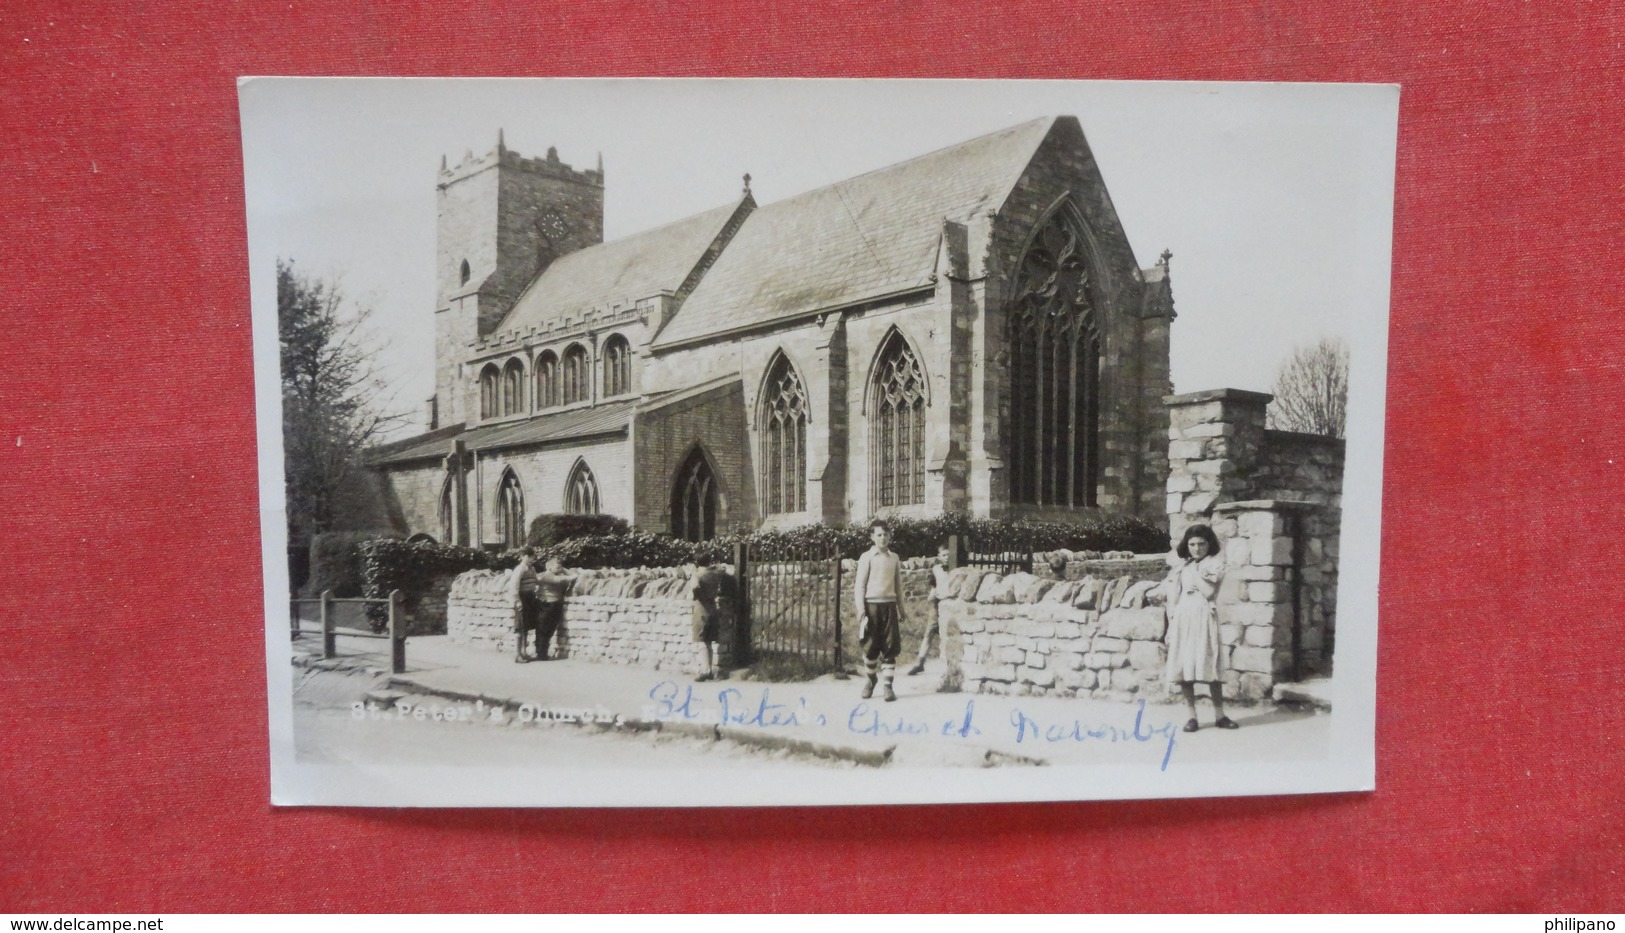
(1022, 634)
(636, 617)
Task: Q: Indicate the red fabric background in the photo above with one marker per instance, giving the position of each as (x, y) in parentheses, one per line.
(132, 689)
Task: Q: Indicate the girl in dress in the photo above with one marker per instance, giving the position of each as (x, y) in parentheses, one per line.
(1195, 654)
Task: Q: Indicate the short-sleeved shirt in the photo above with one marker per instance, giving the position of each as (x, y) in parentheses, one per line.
(554, 586)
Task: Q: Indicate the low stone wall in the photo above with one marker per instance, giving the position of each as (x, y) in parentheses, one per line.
(1023, 635)
(426, 609)
(636, 617)
(652, 633)
(480, 612)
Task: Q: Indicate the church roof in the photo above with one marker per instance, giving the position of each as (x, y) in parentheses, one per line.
(608, 418)
(638, 266)
(863, 238)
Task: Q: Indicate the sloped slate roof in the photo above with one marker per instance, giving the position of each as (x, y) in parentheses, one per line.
(564, 425)
(868, 236)
(638, 266)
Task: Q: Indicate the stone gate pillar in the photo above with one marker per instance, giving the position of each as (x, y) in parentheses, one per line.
(1215, 439)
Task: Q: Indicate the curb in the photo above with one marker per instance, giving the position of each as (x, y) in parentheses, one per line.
(873, 758)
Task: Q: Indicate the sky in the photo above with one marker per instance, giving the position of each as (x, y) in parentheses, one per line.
(1275, 199)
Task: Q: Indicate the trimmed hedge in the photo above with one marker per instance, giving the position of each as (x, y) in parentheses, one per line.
(920, 537)
(555, 528)
(335, 563)
(389, 564)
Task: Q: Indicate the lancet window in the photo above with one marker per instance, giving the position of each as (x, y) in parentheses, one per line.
(513, 388)
(547, 380)
(490, 399)
(617, 366)
(577, 375)
(511, 510)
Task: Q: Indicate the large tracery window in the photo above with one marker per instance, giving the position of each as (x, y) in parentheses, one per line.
(577, 375)
(694, 500)
(490, 401)
(897, 420)
(617, 366)
(581, 492)
(547, 380)
(1053, 419)
(513, 388)
(511, 510)
(784, 440)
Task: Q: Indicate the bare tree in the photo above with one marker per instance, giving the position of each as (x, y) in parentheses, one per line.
(331, 398)
(1312, 389)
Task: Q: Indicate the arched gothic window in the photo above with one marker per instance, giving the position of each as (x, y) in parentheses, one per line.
(513, 388)
(448, 512)
(694, 500)
(490, 401)
(577, 375)
(1052, 426)
(617, 366)
(511, 510)
(897, 423)
(784, 439)
(581, 492)
(547, 380)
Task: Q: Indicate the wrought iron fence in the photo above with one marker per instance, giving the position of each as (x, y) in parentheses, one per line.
(790, 611)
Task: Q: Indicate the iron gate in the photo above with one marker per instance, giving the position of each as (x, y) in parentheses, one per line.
(791, 621)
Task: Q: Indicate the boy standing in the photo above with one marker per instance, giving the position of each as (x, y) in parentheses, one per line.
(712, 589)
(878, 592)
(553, 586)
(939, 590)
(522, 587)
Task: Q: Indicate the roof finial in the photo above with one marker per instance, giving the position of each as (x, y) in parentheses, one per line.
(1167, 254)
(600, 161)
(443, 167)
(501, 145)
(747, 183)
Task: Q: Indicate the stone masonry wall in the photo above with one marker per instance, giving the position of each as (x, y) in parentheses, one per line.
(636, 617)
(661, 441)
(1023, 634)
(1274, 498)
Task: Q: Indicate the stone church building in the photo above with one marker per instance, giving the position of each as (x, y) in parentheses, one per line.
(968, 330)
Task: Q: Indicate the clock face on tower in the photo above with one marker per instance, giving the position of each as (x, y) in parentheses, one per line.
(552, 228)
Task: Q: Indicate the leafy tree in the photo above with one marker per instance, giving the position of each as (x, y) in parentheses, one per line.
(331, 398)
(1312, 390)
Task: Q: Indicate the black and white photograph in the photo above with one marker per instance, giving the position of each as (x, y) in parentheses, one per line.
(818, 442)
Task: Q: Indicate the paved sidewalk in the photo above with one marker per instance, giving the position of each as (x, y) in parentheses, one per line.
(827, 717)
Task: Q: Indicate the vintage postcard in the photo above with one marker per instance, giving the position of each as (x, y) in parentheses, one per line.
(739, 443)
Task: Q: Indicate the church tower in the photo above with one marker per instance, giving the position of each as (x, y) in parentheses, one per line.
(503, 219)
